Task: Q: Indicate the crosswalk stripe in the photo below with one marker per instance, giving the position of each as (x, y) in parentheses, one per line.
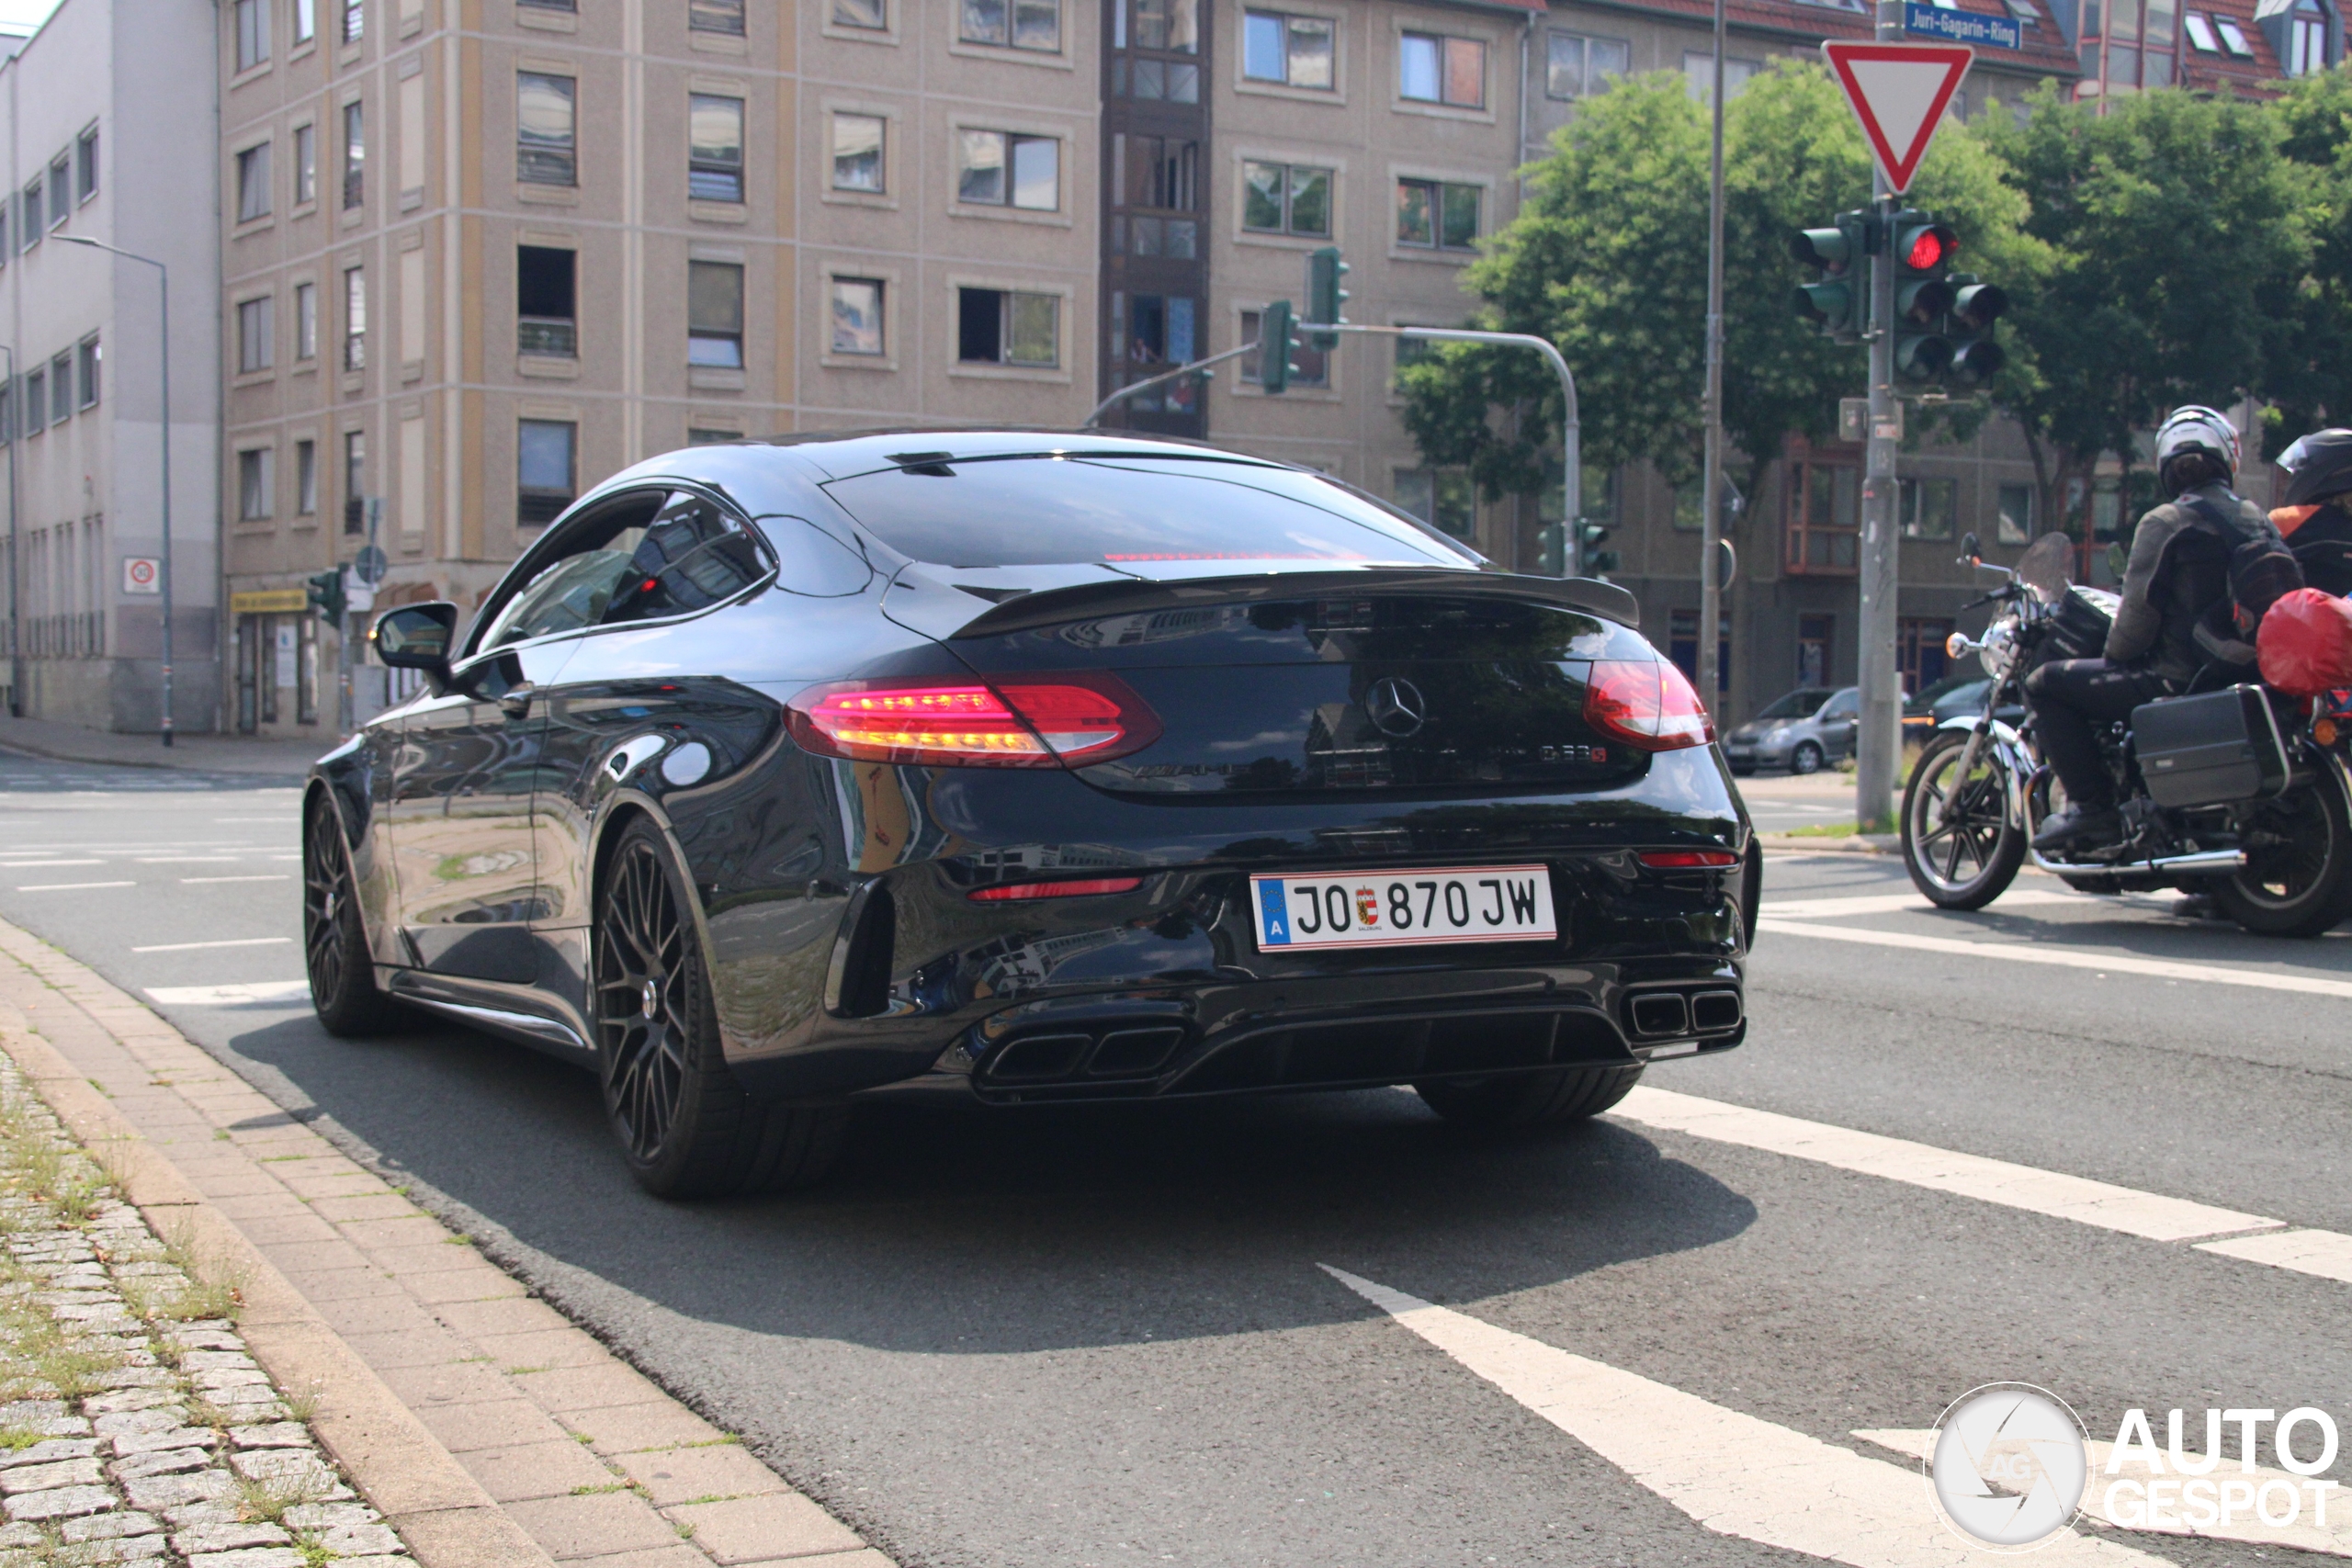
(1735, 1474)
(2064, 957)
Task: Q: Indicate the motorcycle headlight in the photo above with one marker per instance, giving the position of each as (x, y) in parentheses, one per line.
(1998, 650)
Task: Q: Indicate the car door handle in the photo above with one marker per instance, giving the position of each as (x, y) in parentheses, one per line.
(515, 701)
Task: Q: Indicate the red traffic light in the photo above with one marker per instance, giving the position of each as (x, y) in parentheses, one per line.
(1928, 246)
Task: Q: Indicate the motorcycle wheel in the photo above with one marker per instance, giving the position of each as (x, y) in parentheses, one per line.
(1967, 863)
(2301, 886)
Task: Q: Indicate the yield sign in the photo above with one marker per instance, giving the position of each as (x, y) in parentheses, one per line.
(1899, 92)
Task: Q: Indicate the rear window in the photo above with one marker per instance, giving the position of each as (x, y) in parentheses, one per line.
(1796, 705)
(1067, 511)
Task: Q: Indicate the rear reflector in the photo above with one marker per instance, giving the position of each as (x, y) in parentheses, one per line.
(1686, 860)
(1649, 706)
(1012, 890)
(1019, 722)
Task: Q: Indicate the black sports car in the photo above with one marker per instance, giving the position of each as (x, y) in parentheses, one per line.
(1027, 767)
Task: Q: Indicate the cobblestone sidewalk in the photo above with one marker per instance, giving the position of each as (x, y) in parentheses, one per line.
(133, 1426)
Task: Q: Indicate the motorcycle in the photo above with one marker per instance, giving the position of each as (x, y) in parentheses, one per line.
(2251, 800)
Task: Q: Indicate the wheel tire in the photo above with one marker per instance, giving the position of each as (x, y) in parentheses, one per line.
(1988, 833)
(1544, 1098)
(1806, 759)
(2305, 890)
(334, 941)
(685, 1126)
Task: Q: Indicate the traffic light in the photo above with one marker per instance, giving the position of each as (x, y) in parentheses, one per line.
(1323, 295)
(1923, 248)
(1976, 357)
(327, 596)
(1591, 559)
(1839, 303)
(1552, 549)
(1277, 335)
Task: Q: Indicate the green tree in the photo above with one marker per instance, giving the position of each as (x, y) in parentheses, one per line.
(2308, 373)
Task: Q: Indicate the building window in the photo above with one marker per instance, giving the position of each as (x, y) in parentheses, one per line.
(1311, 367)
(2234, 38)
(547, 320)
(306, 320)
(1000, 169)
(1442, 497)
(61, 388)
(714, 148)
(857, 152)
(701, 435)
(1816, 641)
(85, 166)
(355, 21)
(857, 315)
(1576, 66)
(997, 326)
(2200, 34)
(31, 234)
(544, 486)
(1919, 654)
(253, 33)
(306, 165)
(1698, 74)
(36, 396)
(306, 479)
(354, 319)
(355, 482)
(716, 17)
(1930, 508)
(8, 412)
(1683, 645)
(551, 4)
(354, 154)
(1824, 518)
(1172, 27)
(255, 330)
(545, 145)
(254, 501)
(1288, 199)
(1292, 50)
(1016, 24)
(2014, 523)
(861, 14)
(86, 359)
(61, 191)
(1436, 215)
(253, 183)
(715, 314)
(1434, 69)
(2306, 39)
(306, 20)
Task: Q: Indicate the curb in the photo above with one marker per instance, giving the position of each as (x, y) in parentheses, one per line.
(439, 1511)
(24, 747)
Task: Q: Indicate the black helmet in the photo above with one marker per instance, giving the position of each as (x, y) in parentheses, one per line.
(2317, 466)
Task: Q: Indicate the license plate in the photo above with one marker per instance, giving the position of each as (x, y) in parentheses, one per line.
(1405, 909)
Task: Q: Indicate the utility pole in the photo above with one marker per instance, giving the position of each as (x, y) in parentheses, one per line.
(1876, 753)
(1707, 661)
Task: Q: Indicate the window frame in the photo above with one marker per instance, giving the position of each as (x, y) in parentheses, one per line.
(1585, 41)
(529, 498)
(1011, 10)
(1011, 142)
(256, 484)
(250, 32)
(1444, 99)
(303, 140)
(302, 24)
(881, 153)
(256, 335)
(2200, 28)
(254, 184)
(1291, 169)
(696, 9)
(1441, 188)
(705, 334)
(1798, 527)
(306, 321)
(530, 154)
(702, 164)
(549, 342)
(1315, 365)
(305, 477)
(354, 154)
(834, 283)
(1289, 22)
(88, 360)
(353, 24)
(85, 165)
(1008, 299)
(61, 188)
(355, 481)
(61, 386)
(354, 317)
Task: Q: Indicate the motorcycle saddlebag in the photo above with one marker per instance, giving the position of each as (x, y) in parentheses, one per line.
(2209, 750)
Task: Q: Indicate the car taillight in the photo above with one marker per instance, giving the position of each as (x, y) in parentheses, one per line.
(1649, 706)
(1686, 860)
(1072, 888)
(1028, 721)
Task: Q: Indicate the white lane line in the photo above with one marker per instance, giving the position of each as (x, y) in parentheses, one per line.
(2065, 958)
(229, 996)
(29, 864)
(2075, 1197)
(187, 860)
(266, 877)
(68, 887)
(1733, 1473)
(2324, 1252)
(192, 946)
(1887, 903)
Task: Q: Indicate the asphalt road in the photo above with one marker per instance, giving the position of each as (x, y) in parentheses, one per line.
(1104, 1338)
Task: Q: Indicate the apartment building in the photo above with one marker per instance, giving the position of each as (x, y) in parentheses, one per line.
(83, 417)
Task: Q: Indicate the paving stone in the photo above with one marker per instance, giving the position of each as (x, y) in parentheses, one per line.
(107, 1526)
(351, 1541)
(41, 1477)
(751, 1529)
(129, 1443)
(48, 1451)
(271, 1435)
(168, 1491)
(252, 1557)
(131, 1399)
(328, 1516)
(228, 1538)
(163, 1462)
(62, 1503)
(217, 1361)
(133, 1421)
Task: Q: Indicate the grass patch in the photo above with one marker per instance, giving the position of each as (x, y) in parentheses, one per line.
(265, 1502)
(1822, 831)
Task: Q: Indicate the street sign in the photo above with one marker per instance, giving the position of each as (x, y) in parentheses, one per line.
(369, 564)
(1961, 26)
(1899, 92)
(142, 574)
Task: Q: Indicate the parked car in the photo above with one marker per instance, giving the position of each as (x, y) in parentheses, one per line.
(1954, 697)
(1027, 767)
(1804, 732)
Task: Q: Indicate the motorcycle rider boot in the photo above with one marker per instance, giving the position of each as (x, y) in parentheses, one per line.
(2078, 825)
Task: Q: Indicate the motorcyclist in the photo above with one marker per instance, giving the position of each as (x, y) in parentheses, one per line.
(2315, 511)
(2179, 569)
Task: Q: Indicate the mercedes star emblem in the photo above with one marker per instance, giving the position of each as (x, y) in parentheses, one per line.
(1395, 708)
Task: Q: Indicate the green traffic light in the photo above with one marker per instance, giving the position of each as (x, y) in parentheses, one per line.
(1977, 305)
(1921, 356)
(1323, 295)
(1829, 305)
(1277, 335)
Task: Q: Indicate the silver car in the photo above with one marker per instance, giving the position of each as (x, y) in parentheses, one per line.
(1804, 732)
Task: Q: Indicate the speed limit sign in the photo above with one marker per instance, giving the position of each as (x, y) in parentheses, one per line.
(142, 574)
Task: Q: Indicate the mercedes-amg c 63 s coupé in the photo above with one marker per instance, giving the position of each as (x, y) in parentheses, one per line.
(1028, 767)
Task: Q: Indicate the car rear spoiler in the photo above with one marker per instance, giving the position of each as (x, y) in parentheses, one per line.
(1052, 607)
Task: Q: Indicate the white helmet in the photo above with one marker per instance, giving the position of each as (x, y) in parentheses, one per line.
(2194, 428)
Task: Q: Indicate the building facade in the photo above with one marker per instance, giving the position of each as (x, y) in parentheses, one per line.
(83, 417)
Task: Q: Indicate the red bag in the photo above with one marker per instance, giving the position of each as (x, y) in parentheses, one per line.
(2306, 643)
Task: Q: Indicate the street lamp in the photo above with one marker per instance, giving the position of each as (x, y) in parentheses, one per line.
(164, 314)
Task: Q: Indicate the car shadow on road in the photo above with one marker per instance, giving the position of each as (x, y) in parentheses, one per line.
(965, 1229)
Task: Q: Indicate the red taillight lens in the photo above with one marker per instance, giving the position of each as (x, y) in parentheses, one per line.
(1055, 889)
(1025, 721)
(1649, 706)
(1686, 860)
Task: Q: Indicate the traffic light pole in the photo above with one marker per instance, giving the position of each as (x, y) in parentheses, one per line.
(1877, 750)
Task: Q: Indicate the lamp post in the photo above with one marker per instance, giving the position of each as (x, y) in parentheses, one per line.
(164, 316)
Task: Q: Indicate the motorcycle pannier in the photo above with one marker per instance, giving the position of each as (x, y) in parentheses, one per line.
(2209, 750)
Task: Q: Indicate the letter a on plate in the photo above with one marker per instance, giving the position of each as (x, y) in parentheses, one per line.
(1899, 92)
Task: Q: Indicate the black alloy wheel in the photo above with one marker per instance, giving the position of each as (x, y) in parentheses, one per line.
(1966, 859)
(2297, 876)
(334, 943)
(686, 1128)
(1544, 1098)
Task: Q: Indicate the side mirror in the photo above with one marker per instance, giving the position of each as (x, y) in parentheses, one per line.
(417, 636)
(1970, 552)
